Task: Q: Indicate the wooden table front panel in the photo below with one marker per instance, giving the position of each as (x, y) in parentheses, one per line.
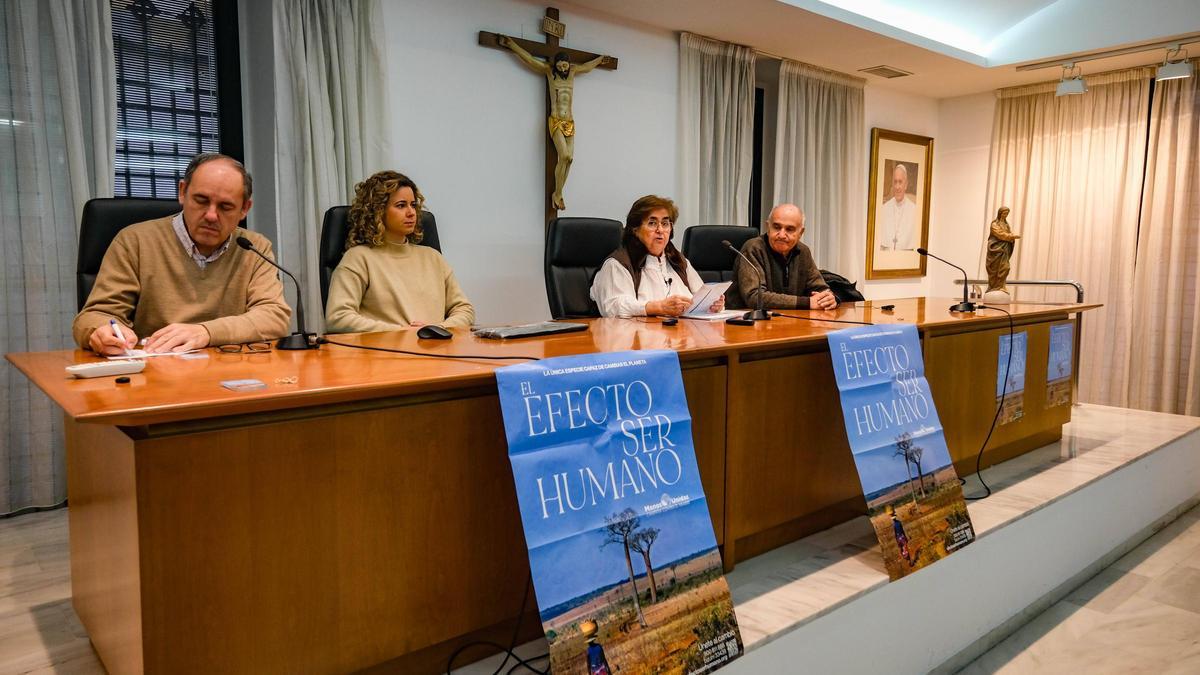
(366, 515)
(962, 369)
(791, 472)
(333, 543)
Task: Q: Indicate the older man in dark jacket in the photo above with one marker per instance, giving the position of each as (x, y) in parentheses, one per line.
(790, 273)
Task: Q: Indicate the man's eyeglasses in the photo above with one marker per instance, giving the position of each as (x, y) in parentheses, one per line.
(655, 224)
(248, 348)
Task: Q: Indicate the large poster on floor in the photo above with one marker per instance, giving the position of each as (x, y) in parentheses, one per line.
(625, 564)
(914, 498)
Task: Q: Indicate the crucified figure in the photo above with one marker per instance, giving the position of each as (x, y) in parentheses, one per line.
(560, 77)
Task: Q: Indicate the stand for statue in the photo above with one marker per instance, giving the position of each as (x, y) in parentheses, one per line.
(997, 297)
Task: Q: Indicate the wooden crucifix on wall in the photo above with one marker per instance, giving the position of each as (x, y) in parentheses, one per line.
(560, 67)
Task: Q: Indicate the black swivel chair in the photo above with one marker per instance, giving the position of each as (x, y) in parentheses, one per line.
(102, 219)
(702, 247)
(711, 260)
(575, 250)
(333, 242)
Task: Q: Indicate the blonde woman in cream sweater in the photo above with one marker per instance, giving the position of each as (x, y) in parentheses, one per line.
(385, 281)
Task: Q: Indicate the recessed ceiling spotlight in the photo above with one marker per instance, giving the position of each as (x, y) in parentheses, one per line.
(1072, 81)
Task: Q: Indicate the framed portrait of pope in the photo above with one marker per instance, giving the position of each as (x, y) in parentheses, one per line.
(898, 208)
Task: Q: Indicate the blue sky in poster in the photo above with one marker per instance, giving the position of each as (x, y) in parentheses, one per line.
(1062, 342)
(621, 439)
(881, 467)
(1016, 370)
(571, 567)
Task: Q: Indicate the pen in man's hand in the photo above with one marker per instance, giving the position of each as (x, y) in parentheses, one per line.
(116, 329)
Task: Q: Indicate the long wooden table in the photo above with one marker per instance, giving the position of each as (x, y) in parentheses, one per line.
(364, 517)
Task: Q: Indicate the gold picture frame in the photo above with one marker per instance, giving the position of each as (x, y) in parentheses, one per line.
(901, 164)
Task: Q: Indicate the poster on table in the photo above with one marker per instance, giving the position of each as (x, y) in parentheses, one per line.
(1058, 365)
(914, 499)
(1012, 407)
(624, 560)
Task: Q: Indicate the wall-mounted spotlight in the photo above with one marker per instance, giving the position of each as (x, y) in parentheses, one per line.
(1174, 70)
(1071, 82)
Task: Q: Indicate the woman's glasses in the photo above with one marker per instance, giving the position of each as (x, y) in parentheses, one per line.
(248, 348)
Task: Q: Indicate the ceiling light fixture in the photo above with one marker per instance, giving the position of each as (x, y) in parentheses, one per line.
(1071, 82)
(1174, 70)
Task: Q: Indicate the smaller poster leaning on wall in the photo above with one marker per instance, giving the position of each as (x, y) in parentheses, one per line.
(914, 499)
(622, 551)
(1058, 365)
(1012, 407)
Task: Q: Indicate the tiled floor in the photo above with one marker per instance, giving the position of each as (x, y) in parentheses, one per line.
(39, 632)
(1141, 615)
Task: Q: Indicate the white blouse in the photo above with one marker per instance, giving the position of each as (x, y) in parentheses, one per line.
(612, 289)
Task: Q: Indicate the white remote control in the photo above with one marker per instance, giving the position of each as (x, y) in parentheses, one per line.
(106, 368)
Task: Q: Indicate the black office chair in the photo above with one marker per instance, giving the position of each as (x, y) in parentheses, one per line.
(334, 229)
(575, 250)
(702, 247)
(102, 219)
(712, 261)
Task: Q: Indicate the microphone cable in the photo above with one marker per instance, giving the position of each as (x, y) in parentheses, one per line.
(813, 318)
(324, 340)
(512, 644)
(999, 406)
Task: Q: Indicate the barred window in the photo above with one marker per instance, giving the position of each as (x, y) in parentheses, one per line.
(167, 107)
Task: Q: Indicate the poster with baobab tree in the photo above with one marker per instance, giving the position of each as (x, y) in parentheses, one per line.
(914, 498)
(624, 560)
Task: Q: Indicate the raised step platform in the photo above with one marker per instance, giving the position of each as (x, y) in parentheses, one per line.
(1057, 516)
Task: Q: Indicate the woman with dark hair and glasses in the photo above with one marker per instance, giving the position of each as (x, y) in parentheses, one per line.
(385, 281)
(647, 275)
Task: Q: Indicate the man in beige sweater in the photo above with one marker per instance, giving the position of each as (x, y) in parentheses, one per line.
(179, 282)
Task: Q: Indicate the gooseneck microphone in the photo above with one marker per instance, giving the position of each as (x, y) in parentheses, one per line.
(966, 305)
(299, 339)
(759, 314)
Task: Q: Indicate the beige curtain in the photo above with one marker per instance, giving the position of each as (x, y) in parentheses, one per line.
(819, 160)
(1070, 169)
(716, 132)
(331, 123)
(1165, 359)
(57, 143)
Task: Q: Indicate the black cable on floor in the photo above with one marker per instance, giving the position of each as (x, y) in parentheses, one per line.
(999, 407)
(512, 644)
(32, 509)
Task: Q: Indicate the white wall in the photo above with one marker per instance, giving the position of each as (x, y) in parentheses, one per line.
(961, 131)
(469, 127)
(911, 114)
(960, 171)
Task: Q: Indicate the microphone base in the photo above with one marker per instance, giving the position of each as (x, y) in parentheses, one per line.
(297, 341)
(964, 306)
(757, 315)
